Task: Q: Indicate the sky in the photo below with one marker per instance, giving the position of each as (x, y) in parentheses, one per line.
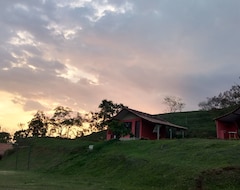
(76, 53)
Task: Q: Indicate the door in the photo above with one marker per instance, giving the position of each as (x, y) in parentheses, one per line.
(137, 129)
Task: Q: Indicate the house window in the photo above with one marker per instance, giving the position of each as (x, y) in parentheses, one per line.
(128, 125)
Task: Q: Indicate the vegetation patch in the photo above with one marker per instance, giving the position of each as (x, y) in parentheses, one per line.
(220, 178)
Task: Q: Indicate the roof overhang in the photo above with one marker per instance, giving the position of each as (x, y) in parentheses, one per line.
(147, 117)
(230, 117)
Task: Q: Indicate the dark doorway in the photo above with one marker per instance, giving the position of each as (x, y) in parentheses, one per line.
(137, 129)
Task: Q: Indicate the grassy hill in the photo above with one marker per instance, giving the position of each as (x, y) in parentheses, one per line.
(166, 164)
(200, 124)
(191, 163)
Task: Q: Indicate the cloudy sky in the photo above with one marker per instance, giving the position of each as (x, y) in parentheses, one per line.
(76, 53)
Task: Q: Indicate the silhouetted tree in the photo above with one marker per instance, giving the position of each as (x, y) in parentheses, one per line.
(63, 121)
(37, 127)
(5, 137)
(92, 118)
(174, 103)
(225, 99)
(21, 134)
(108, 109)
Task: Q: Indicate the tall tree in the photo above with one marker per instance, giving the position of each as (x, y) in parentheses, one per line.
(63, 120)
(92, 118)
(75, 129)
(108, 109)
(38, 125)
(174, 103)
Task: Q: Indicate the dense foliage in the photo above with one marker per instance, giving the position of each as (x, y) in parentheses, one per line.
(225, 99)
(108, 109)
(64, 123)
(119, 129)
(37, 127)
(5, 137)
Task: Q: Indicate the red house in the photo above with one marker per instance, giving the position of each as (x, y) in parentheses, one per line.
(146, 126)
(228, 124)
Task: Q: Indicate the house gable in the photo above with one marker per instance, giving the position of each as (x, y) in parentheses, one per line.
(227, 126)
(145, 125)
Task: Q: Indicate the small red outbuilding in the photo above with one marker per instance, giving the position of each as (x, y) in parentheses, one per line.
(146, 126)
(227, 126)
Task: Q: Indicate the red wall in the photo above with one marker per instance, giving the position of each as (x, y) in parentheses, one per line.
(110, 135)
(147, 130)
(223, 129)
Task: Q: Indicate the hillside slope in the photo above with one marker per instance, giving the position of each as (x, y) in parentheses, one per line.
(200, 124)
(141, 164)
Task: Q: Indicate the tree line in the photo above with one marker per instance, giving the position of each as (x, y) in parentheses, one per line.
(65, 123)
(226, 99)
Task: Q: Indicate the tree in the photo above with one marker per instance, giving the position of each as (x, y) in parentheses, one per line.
(38, 125)
(119, 129)
(60, 120)
(5, 137)
(226, 99)
(21, 134)
(63, 121)
(92, 118)
(74, 127)
(174, 103)
(108, 109)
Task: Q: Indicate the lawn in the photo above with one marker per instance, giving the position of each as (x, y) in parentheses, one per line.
(21, 180)
(131, 165)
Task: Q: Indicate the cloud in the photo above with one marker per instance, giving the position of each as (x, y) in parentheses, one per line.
(33, 106)
(76, 53)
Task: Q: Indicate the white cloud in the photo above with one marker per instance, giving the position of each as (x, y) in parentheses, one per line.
(73, 3)
(74, 74)
(67, 33)
(98, 8)
(101, 9)
(23, 38)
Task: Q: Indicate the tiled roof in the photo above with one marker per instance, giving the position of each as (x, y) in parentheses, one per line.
(148, 117)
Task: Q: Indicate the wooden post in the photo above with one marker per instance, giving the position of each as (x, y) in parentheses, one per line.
(170, 131)
(158, 130)
(182, 133)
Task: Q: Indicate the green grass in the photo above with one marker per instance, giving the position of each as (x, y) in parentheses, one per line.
(200, 124)
(131, 165)
(202, 162)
